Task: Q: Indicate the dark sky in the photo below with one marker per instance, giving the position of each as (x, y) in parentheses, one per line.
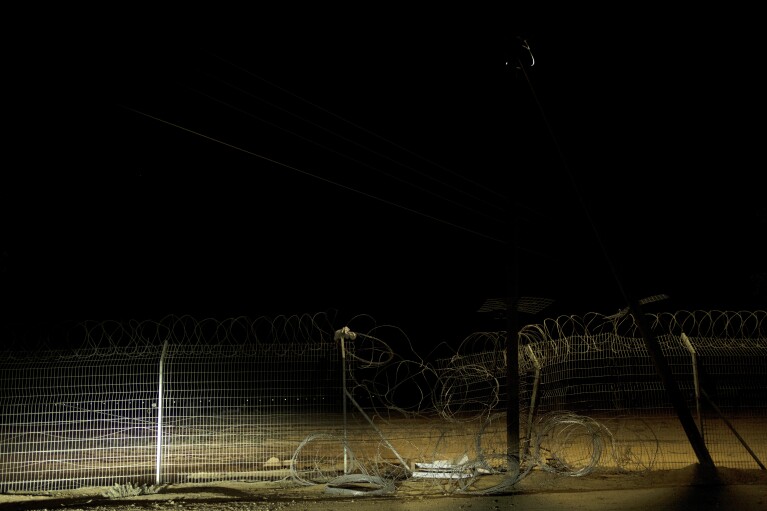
(375, 168)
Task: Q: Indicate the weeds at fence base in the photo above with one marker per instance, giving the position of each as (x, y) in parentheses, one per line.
(119, 491)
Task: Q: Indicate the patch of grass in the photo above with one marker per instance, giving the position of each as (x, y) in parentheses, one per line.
(119, 491)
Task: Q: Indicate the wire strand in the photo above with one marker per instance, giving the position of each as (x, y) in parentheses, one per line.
(315, 176)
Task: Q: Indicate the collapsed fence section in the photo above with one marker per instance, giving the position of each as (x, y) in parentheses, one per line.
(589, 385)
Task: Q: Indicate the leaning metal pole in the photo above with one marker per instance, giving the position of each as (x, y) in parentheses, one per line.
(512, 343)
(512, 369)
(512, 318)
(672, 387)
(651, 342)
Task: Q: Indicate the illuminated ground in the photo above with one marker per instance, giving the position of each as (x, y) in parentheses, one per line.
(660, 490)
(658, 473)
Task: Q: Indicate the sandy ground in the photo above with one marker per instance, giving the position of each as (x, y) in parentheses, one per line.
(687, 488)
(671, 481)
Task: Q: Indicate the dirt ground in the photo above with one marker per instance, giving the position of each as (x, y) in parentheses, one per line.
(687, 488)
(656, 472)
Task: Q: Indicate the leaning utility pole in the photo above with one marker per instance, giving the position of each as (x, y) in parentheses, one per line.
(512, 356)
(514, 64)
(672, 387)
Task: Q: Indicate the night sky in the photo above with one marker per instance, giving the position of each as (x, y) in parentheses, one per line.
(383, 169)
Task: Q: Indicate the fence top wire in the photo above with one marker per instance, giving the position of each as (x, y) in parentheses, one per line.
(139, 338)
(144, 337)
(713, 323)
(738, 331)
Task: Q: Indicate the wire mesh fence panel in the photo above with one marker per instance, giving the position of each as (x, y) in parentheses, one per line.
(241, 411)
(167, 402)
(733, 403)
(183, 400)
(77, 420)
(591, 391)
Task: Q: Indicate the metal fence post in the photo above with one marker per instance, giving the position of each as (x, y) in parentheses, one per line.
(341, 335)
(533, 398)
(343, 400)
(158, 462)
(696, 381)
